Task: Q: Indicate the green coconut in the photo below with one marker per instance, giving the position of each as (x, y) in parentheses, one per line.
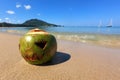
(37, 46)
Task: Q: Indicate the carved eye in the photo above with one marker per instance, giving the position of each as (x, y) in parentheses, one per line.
(41, 44)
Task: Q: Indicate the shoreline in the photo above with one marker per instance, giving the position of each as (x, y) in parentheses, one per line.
(102, 40)
(73, 61)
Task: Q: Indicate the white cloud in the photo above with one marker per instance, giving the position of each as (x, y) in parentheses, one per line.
(0, 19)
(6, 18)
(27, 7)
(10, 12)
(18, 6)
(38, 14)
(18, 21)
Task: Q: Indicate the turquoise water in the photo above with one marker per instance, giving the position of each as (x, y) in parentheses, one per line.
(103, 36)
(85, 29)
(70, 29)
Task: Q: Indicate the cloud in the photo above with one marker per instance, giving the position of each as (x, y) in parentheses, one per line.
(18, 21)
(10, 12)
(27, 7)
(0, 19)
(18, 6)
(38, 14)
(6, 18)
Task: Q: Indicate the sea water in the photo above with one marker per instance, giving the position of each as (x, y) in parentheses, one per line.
(101, 36)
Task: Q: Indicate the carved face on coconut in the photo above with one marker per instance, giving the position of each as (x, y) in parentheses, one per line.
(37, 46)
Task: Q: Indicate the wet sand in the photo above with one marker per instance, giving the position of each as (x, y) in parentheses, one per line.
(73, 61)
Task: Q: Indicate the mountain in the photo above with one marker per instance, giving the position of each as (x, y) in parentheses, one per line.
(28, 23)
(36, 22)
(5, 24)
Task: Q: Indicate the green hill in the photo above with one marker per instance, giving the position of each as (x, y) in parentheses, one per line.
(28, 23)
(36, 22)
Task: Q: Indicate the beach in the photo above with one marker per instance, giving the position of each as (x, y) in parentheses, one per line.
(73, 61)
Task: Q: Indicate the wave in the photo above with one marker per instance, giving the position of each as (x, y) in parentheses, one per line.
(95, 39)
(112, 41)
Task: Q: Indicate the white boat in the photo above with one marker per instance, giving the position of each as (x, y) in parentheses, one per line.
(100, 24)
(110, 24)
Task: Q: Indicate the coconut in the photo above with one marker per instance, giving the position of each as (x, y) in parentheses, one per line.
(37, 46)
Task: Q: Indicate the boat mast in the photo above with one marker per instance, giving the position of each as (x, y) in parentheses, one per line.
(110, 22)
(100, 24)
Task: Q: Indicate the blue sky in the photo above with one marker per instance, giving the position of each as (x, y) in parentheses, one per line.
(63, 12)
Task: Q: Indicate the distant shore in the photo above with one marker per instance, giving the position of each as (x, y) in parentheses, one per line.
(29, 23)
(73, 61)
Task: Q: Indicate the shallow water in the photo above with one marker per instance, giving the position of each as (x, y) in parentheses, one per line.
(112, 41)
(107, 37)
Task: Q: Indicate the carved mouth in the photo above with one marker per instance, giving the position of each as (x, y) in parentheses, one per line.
(41, 44)
(33, 58)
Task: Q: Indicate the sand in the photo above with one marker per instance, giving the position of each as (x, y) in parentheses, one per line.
(73, 61)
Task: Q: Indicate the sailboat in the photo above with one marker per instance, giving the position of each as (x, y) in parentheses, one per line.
(100, 24)
(110, 24)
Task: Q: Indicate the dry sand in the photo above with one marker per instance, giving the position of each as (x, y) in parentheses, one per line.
(73, 61)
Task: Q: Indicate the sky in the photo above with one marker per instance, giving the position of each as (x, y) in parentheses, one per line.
(62, 12)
